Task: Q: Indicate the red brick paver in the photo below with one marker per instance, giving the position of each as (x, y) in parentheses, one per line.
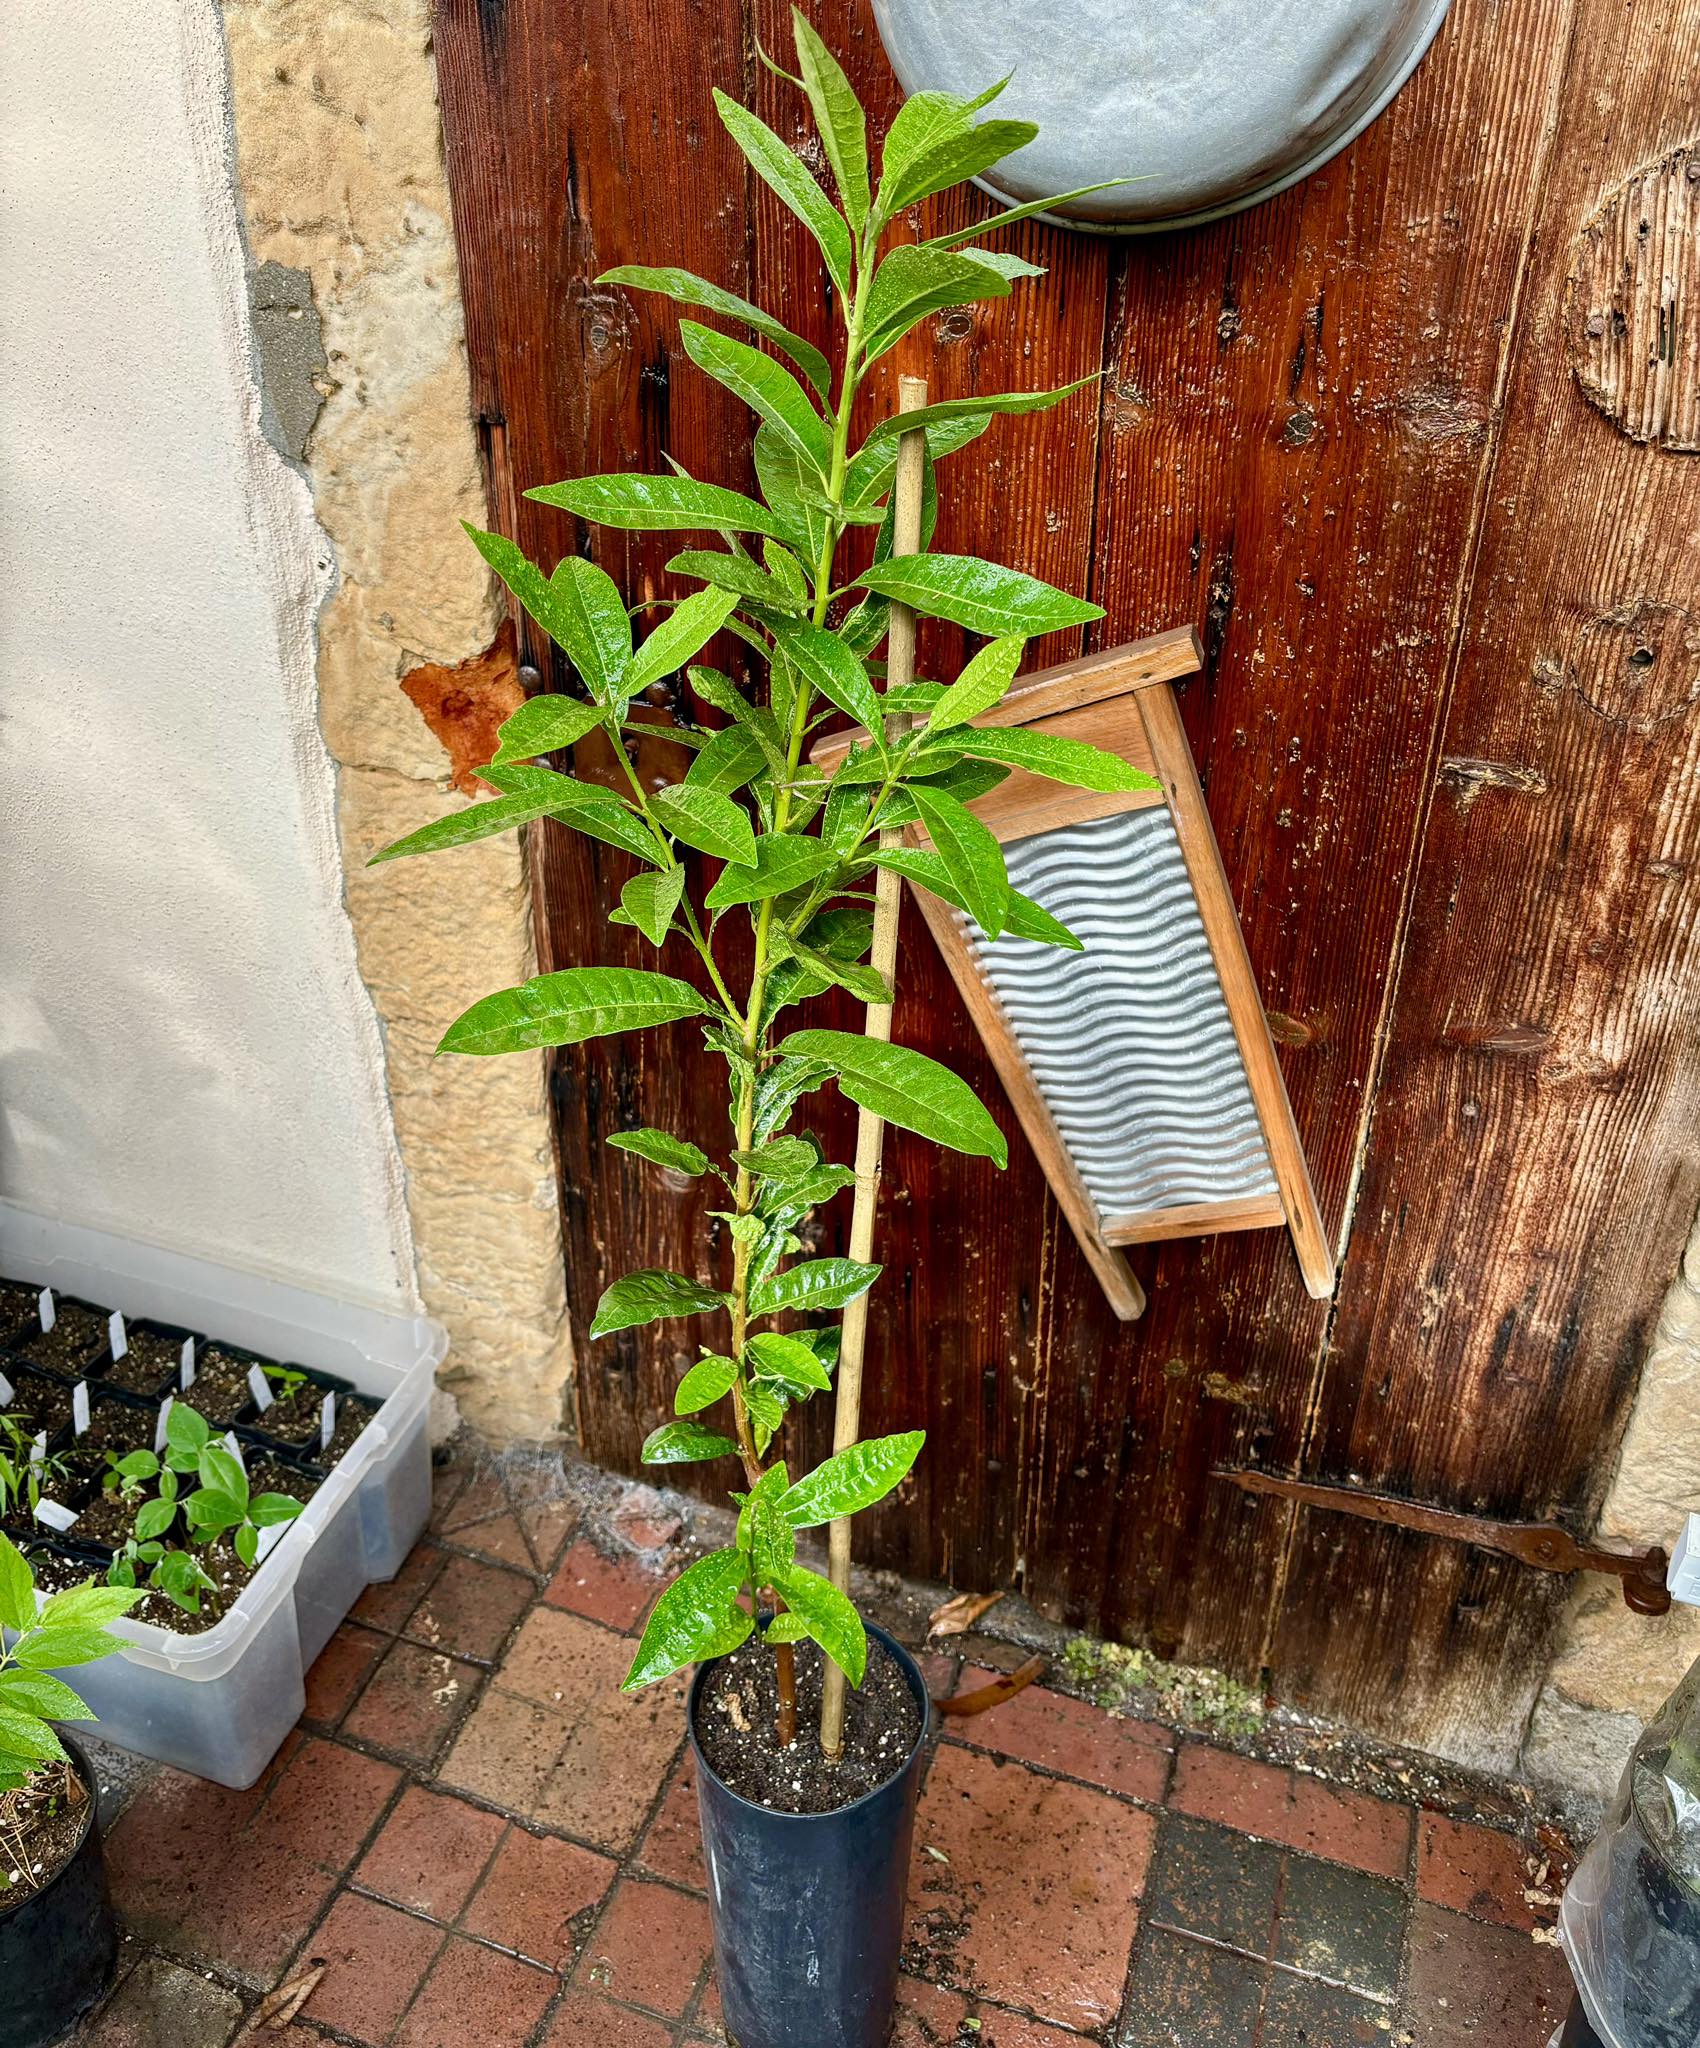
(615, 1591)
(673, 1846)
(343, 1666)
(475, 1994)
(534, 1891)
(375, 1959)
(431, 1853)
(1473, 1870)
(650, 1947)
(1067, 1735)
(470, 1609)
(413, 1701)
(1288, 1807)
(1476, 1986)
(585, 2021)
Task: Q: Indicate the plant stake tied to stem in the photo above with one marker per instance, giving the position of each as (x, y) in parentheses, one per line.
(797, 851)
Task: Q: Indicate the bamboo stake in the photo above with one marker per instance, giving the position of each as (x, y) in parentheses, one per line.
(870, 1130)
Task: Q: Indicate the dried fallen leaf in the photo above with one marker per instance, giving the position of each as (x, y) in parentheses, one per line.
(1004, 1687)
(280, 2007)
(956, 1617)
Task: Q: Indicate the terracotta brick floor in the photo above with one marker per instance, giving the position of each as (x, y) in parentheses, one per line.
(481, 1841)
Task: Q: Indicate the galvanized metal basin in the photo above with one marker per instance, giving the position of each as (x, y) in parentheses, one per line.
(1212, 104)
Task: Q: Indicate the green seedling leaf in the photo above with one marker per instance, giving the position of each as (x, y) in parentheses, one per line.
(924, 120)
(685, 288)
(649, 901)
(839, 117)
(817, 1284)
(85, 1607)
(906, 1088)
(913, 282)
(221, 1473)
(17, 1587)
(681, 634)
(982, 684)
(828, 1615)
(852, 1480)
(38, 1692)
(585, 806)
(971, 854)
(736, 573)
(26, 1735)
(766, 387)
(784, 1159)
(657, 504)
(782, 863)
(706, 820)
(266, 1510)
(461, 828)
(52, 1649)
(578, 607)
(186, 1429)
(698, 1617)
(1047, 753)
(788, 1360)
(985, 597)
(871, 470)
(544, 725)
(573, 1004)
(784, 175)
(786, 1628)
(660, 1148)
(153, 1518)
(1008, 216)
(685, 1443)
(650, 1296)
(708, 1381)
(862, 980)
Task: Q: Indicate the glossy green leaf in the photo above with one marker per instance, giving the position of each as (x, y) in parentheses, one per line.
(983, 683)
(1008, 216)
(656, 504)
(222, 1473)
(954, 159)
(733, 757)
(53, 1649)
(862, 980)
(785, 1628)
(685, 288)
(766, 387)
(649, 901)
(1024, 918)
(839, 117)
(781, 864)
(816, 1284)
(267, 1510)
(685, 1443)
(25, 1734)
(578, 607)
(956, 411)
(915, 281)
(705, 819)
(17, 1587)
(153, 1518)
(571, 1005)
(789, 484)
(852, 1480)
(736, 573)
(789, 1361)
(925, 120)
(650, 1296)
(782, 1159)
(38, 1692)
(698, 1617)
(830, 667)
(711, 1379)
(87, 1606)
(585, 807)
(186, 1429)
(829, 1616)
(766, 1538)
(868, 476)
(684, 632)
(210, 1510)
(544, 725)
(661, 1148)
(985, 597)
(461, 828)
(785, 175)
(1047, 753)
(906, 1088)
(971, 854)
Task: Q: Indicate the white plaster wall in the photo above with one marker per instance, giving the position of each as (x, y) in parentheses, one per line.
(187, 1052)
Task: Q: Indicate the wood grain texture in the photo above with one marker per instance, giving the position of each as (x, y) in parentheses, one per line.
(1446, 729)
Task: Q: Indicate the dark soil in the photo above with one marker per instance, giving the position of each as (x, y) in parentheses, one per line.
(149, 1367)
(113, 1426)
(294, 1420)
(55, 1571)
(44, 1819)
(735, 1730)
(39, 1403)
(107, 1519)
(221, 1391)
(18, 1305)
(273, 1475)
(76, 1340)
(220, 1564)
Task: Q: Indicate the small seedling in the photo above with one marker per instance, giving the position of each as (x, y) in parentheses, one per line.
(222, 1500)
(284, 1380)
(24, 1477)
(175, 1573)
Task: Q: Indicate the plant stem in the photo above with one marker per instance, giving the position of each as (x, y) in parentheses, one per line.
(870, 1129)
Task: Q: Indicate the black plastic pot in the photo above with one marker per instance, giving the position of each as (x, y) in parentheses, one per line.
(1577, 2032)
(808, 1908)
(57, 1946)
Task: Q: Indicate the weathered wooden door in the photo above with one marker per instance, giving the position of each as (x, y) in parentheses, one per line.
(1449, 737)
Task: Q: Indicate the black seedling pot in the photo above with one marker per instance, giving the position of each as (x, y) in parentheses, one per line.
(808, 1907)
(57, 1946)
(1577, 2032)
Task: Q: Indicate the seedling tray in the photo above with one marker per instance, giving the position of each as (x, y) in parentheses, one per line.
(221, 1702)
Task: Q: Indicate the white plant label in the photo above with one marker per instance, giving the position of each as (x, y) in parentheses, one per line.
(186, 1365)
(327, 1421)
(54, 1516)
(5, 1391)
(160, 1427)
(80, 1406)
(270, 1537)
(116, 1336)
(38, 1450)
(260, 1387)
(46, 1308)
(235, 1450)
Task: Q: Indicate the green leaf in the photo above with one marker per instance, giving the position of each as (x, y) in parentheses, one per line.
(733, 757)
(578, 607)
(839, 117)
(186, 1429)
(784, 1159)
(816, 1284)
(868, 477)
(657, 504)
(461, 828)
(221, 1473)
(649, 901)
(662, 1149)
(681, 634)
(779, 1087)
(788, 1360)
(913, 282)
(87, 1607)
(698, 1617)
(783, 173)
(267, 1510)
(782, 863)
(971, 854)
(571, 1005)
(985, 597)
(49, 1649)
(685, 288)
(906, 1088)
(706, 820)
(17, 1587)
(786, 1628)
(956, 411)
(830, 667)
(924, 120)
(767, 1410)
(1008, 216)
(708, 1381)
(586, 807)
(736, 573)
(1047, 753)
(766, 387)
(38, 1692)
(861, 979)
(956, 158)
(983, 683)
(649, 1296)
(767, 1539)
(210, 1511)
(1025, 918)
(153, 1518)
(685, 1443)
(545, 724)
(247, 1545)
(788, 483)
(23, 1734)
(852, 1480)
(828, 1615)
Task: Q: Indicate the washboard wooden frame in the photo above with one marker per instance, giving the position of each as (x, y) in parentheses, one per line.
(1121, 700)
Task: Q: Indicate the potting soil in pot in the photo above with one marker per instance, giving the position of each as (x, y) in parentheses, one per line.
(735, 1730)
(149, 1368)
(71, 1347)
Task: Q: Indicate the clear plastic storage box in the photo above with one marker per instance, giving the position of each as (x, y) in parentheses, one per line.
(220, 1703)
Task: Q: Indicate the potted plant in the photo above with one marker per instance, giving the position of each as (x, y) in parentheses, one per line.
(57, 1934)
(806, 1807)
